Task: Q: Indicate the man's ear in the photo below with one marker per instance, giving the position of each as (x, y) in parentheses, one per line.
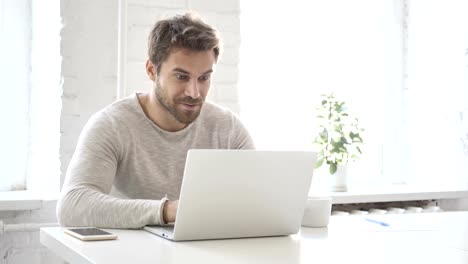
(150, 70)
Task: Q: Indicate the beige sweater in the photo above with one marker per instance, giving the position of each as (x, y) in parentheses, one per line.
(124, 164)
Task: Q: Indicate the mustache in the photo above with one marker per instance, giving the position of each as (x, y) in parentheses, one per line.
(189, 100)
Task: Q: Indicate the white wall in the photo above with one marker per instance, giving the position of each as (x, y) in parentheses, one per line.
(89, 48)
(89, 66)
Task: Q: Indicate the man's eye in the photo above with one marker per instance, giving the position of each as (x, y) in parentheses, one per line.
(181, 77)
(204, 78)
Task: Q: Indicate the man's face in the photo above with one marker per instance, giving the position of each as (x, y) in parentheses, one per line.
(183, 83)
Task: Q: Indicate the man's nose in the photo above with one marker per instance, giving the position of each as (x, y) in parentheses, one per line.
(193, 90)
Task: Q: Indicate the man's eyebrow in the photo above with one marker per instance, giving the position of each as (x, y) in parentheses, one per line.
(181, 70)
(208, 71)
(187, 72)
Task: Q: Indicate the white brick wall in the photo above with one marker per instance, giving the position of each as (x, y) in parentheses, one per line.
(89, 66)
(89, 71)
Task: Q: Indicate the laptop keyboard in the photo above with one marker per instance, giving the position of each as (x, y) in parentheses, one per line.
(168, 229)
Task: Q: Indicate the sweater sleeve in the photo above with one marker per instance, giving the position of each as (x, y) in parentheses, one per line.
(240, 137)
(85, 199)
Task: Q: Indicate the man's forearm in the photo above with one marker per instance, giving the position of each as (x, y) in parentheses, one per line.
(87, 207)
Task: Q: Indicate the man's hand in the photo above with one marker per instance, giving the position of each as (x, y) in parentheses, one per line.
(170, 210)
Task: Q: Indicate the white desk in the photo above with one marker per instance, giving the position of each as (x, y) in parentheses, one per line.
(409, 238)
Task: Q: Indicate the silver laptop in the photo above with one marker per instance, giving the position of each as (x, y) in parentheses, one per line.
(241, 193)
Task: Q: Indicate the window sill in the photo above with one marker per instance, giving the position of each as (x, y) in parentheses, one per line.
(393, 193)
(23, 200)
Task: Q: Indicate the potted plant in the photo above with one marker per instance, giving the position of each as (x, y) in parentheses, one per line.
(338, 140)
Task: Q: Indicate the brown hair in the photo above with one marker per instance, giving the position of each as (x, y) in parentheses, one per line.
(182, 31)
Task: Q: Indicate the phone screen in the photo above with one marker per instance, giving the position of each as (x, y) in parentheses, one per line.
(89, 231)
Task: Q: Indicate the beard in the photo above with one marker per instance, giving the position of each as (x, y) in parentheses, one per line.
(181, 115)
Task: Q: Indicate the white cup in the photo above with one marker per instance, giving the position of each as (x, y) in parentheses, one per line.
(317, 212)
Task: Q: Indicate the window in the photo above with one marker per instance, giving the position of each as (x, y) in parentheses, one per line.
(15, 54)
(370, 53)
(30, 100)
(437, 90)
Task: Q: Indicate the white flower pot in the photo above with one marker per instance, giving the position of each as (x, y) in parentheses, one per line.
(324, 182)
(339, 180)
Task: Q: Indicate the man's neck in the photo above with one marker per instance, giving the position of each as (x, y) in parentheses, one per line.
(158, 114)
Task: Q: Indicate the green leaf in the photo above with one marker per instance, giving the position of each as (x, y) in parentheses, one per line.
(337, 107)
(359, 149)
(336, 144)
(324, 135)
(357, 139)
(319, 162)
(333, 168)
(344, 140)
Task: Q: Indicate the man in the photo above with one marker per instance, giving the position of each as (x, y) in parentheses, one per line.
(127, 168)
